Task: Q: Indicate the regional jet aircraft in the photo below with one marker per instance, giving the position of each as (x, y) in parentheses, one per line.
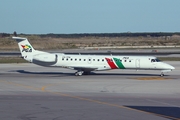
(84, 64)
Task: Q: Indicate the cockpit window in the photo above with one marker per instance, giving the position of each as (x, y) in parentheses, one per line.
(155, 60)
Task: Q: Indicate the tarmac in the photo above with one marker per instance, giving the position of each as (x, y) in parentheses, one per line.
(31, 92)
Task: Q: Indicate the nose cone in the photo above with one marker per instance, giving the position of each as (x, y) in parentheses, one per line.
(167, 66)
(171, 67)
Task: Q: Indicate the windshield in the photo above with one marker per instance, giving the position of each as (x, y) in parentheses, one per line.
(155, 60)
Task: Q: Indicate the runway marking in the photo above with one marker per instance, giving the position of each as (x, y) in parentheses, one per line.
(43, 88)
(152, 78)
(109, 104)
(21, 85)
(27, 86)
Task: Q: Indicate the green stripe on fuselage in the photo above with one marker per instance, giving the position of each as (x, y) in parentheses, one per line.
(119, 63)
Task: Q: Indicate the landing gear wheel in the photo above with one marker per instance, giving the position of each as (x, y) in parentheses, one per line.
(162, 74)
(76, 73)
(79, 73)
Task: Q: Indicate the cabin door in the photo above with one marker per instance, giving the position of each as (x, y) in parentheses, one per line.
(137, 63)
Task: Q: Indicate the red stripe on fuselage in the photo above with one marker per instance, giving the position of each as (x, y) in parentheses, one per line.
(111, 63)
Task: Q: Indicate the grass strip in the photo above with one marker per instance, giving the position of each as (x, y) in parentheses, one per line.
(12, 60)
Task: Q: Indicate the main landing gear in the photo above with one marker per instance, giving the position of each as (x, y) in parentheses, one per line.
(162, 74)
(80, 73)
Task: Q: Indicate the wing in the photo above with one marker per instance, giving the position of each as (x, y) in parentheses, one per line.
(86, 69)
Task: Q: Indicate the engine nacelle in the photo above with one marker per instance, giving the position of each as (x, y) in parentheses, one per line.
(45, 59)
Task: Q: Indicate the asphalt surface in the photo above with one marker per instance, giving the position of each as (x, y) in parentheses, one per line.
(30, 92)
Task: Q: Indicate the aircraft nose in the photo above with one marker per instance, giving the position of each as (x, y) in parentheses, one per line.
(167, 66)
(172, 68)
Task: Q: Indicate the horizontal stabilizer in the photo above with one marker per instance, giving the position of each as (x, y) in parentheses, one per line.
(19, 39)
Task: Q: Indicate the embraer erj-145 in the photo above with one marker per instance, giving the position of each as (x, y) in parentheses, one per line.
(84, 64)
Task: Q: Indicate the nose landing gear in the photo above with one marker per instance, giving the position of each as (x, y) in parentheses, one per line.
(165, 71)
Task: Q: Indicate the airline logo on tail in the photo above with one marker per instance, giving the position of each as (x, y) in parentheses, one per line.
(26, 48)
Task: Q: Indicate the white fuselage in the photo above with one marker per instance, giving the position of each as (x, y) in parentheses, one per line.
(101, 62)
(86, 63)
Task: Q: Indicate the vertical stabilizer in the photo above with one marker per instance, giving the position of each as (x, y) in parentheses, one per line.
(26, 49)
(24, 46)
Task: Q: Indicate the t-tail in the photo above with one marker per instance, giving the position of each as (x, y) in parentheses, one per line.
(26, 49)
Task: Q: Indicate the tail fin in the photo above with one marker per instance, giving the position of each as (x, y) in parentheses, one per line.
(26, 49)
(24, 46)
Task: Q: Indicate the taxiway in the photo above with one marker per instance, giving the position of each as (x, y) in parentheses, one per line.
(31, 92)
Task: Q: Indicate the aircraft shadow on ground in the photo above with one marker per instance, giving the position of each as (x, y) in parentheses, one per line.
(125, 74)
(166, 112)
(29, 72)
(44, 73)
(92, 73)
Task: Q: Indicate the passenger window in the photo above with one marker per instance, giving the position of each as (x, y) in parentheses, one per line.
(84, 59)
(62, 58)
(129, 60)
(71, 59)
(79, 59)
(93, 59)
(89, 59)
(124, 60)
(75, 59)
(98, 60)
(67, 59)
(102, 59)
